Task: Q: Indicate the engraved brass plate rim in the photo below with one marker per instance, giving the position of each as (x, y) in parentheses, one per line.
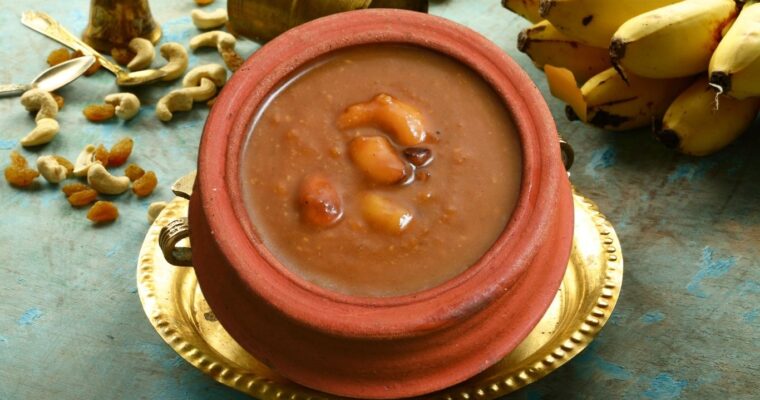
(590, 289)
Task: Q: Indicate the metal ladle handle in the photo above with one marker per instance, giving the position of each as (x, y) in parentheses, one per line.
(178, 229)
(168, 240)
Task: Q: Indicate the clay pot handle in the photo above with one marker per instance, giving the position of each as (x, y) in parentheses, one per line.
(170, 236)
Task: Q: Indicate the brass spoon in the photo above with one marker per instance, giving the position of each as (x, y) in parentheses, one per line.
(49, 27)
(52, 78)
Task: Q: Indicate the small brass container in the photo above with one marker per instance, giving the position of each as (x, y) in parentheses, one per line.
(262, 20)
(113, 23)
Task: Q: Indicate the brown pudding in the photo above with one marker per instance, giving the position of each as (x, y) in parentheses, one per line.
(381, 170)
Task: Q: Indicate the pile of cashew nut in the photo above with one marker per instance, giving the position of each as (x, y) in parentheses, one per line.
(200, 84)
(47, 127)
(173, 53)
(97, 176)
(224, 43)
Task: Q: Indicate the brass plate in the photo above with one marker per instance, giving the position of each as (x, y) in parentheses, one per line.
(175, 306)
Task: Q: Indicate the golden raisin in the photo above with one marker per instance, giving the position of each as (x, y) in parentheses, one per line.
(93, 68)
(121, 55)
(145, 184)
(101, 155)
(58, 56)
(120, 152)
(99, 112)
(72, 188)
(65, 163)
(18, 173)
(134, 172)
(58, 100)
(17, 159)
(83, 197)
(102, 211)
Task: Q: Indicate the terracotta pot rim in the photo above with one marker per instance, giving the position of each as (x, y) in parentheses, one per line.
(436, 308)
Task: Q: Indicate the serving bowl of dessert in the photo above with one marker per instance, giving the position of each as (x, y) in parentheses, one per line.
(380, 209)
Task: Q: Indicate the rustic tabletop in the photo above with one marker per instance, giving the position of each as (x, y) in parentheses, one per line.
(71, 325)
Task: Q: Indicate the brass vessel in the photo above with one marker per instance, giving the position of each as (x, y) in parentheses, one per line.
(262, 20)
(113, 23)
(177, 309)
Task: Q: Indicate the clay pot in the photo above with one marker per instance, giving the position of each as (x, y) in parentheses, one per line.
(379, 347)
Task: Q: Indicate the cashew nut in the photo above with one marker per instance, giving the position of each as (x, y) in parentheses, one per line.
(215, 72)
(84, 161)
(225, 44)
(40, 101)
(219, 39)
(200, 84)
(144, 54)
(209, 20)
(177, 59)
(176, 100)
(103, 182)
(154, 209)
(202, 92)
(51, 169)
(127, 104)
(44, 132)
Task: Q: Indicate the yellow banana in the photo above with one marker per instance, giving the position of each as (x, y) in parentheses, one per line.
(611, 103)
(527, 9)
(546, 45)
(693, 126)
(735, 64)
(593, 22)
(672, 41)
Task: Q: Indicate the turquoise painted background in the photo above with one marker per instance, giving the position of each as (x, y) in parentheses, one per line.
(71, 324)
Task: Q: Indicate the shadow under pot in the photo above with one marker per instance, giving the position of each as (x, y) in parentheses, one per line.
(380, 208)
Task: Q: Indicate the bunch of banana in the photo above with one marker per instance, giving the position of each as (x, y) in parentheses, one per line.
(694, 126)
(735, 64)
(544, 44)
(609, 102)
(672, 41)
(688, 68)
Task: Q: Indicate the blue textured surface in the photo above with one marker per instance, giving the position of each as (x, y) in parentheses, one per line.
(71, 325)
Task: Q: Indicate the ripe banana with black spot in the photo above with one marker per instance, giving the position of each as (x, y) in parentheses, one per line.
(611, 103)
(735, 64)
(672, 41)
(693, 125)
(593, 22)
(544, 44)
(527, 9)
